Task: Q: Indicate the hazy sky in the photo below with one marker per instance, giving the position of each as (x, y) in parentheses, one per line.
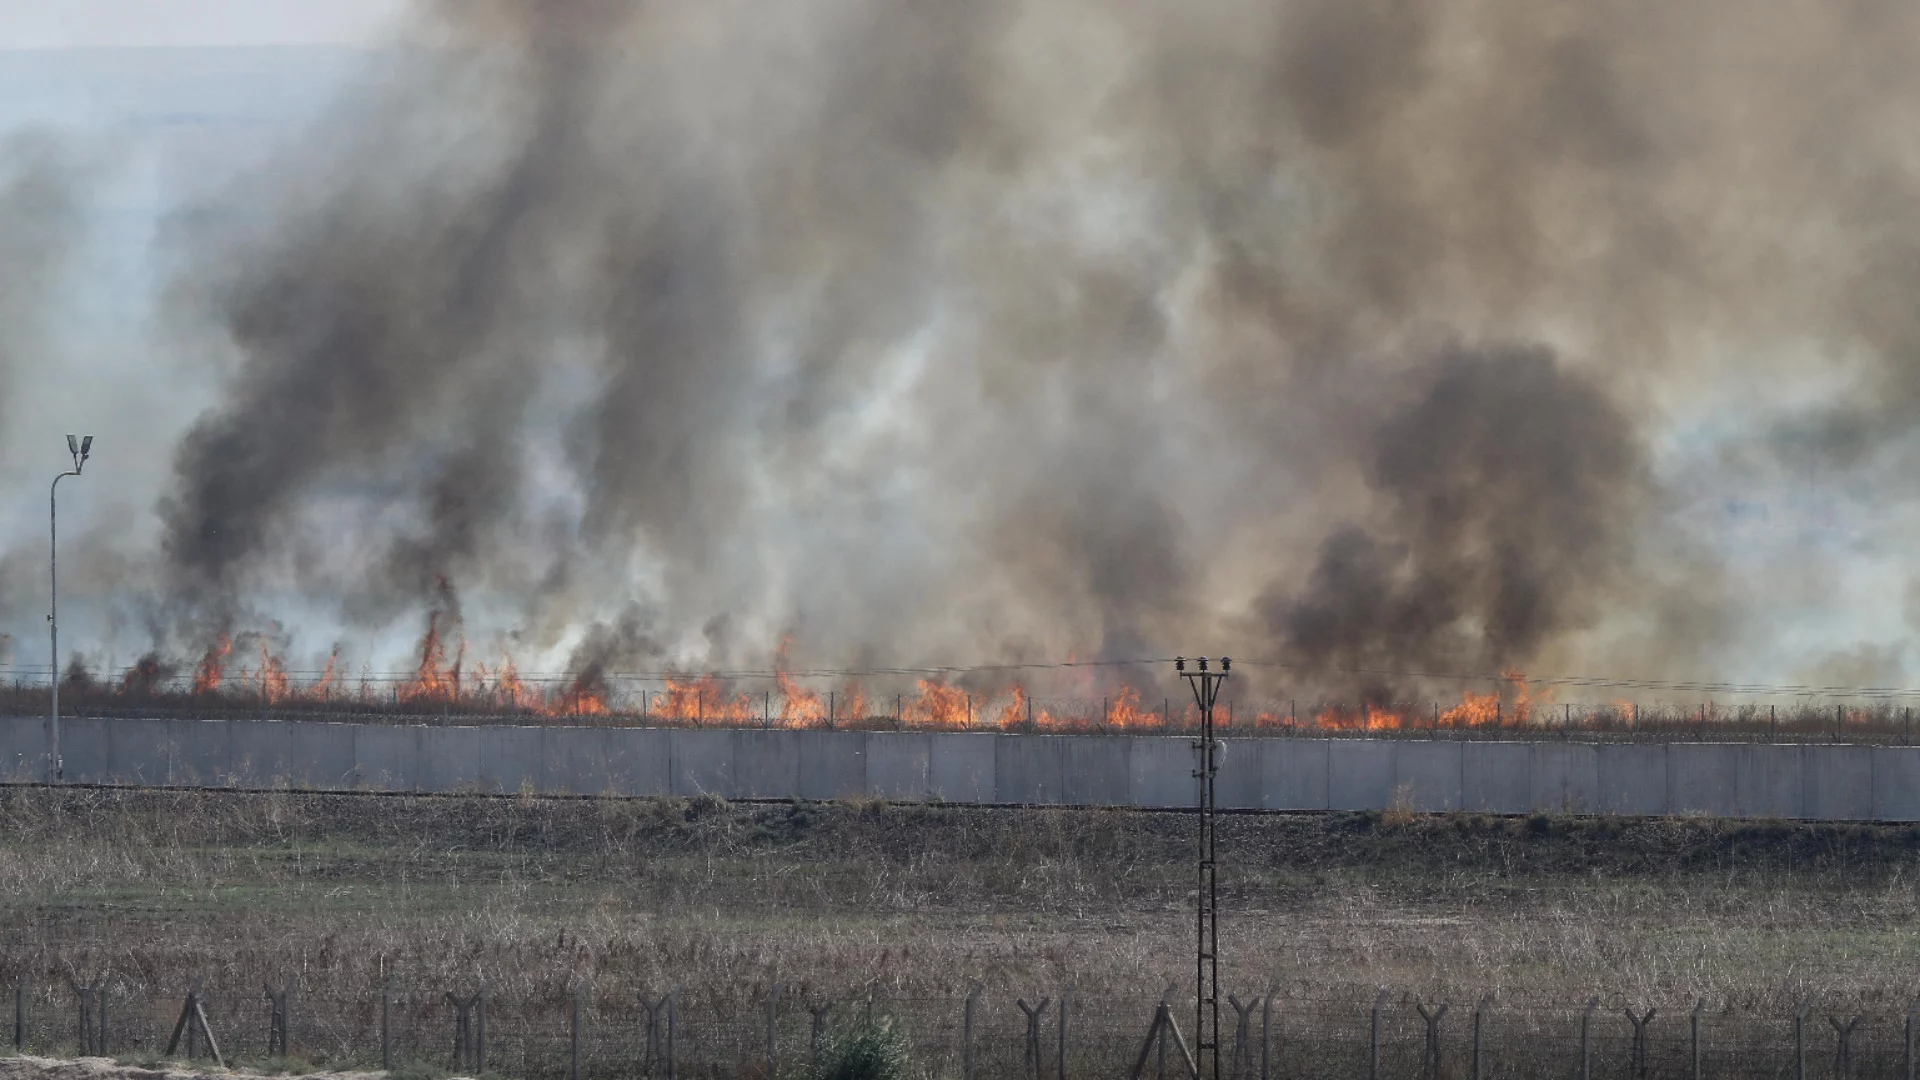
(39, 24)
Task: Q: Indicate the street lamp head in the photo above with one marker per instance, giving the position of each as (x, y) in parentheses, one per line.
(81, 447)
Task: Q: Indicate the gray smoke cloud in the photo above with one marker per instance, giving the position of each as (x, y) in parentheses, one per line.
(43, 182)
(41, 218)
(1346, 333)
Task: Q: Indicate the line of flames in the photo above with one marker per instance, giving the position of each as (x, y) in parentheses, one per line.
(443, 677)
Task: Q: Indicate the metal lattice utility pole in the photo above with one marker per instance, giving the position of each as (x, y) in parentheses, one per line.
(1206, 690)
(81, 449)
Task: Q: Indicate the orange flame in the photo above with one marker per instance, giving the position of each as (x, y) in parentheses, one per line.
(1125, 712)
(213, 666)
(434, 679)
(271, 681)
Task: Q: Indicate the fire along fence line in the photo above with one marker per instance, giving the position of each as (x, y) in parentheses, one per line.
(1809, 781)
(1049, 1033)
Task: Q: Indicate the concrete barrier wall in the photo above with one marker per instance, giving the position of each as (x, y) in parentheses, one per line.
(1822, 782)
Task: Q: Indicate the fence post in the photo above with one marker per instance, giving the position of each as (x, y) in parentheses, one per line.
(773, 1028)
(462, 1028)
(20, 1014)
(1586, 1049)
(1698, 1005)
(1800, 1040)
(1166, 1003)
(1639, 1056)
(1034, 1015)
(193, 999)
(1242, 1034)
(1843, 1046)
(277, 1019)
(1066, 996)
(83, 998)
(1479, 1015)
(1430, 1066)
(673, 1023)
(386, 1024)
(1907, 1059)
(573, 1037)
(1266, 1032)
(1373, 1037)
(966, 1033)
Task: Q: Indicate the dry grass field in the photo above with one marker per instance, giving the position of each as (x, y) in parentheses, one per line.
(148, 890)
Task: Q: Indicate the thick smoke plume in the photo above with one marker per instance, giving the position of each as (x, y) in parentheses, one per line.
(1344, 333)
(1501, 489)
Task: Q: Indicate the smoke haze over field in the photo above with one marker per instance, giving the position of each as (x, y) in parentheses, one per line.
(1356, 334)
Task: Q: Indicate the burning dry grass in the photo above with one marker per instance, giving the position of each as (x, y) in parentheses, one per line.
(477, 694)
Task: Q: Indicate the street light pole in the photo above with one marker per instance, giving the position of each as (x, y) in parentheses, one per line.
(81, 450)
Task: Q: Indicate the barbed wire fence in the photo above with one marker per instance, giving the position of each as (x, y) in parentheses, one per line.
(1273, 1032)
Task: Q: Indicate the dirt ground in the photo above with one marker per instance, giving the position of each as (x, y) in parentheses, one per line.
(99, 1068)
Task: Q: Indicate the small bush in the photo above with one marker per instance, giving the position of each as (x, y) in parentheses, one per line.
(875, 1050)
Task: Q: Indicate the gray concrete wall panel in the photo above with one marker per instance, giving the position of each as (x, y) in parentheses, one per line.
(1160, 771)
(1095, 770)
(1632, 779)
(1294, 772)
(1896, 783)
(1359, 774)
(573, 760)
(833, 764)
(1427, 776)
(1566, 778)
(1838, 782)
(86, 750)
(1496, 777)
(201, 752)
(702, 762)
(620, 762)
(259, 753)
(23, 748)
(963, 767)
(900, 765)
(449, 759)
(1238, 786)
(1703, 778)
(512, 759)
(386, 758)
(138, 752)
(1768, 783)
(1027, 768)
(766, 764)
(321, 756)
